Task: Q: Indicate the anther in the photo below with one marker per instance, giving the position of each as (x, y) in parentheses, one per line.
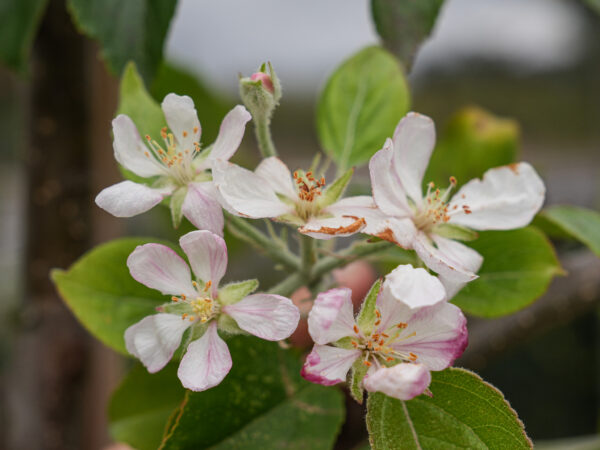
(367, 363)
(412, 356)
(185, 133)
(175, 299)
(402, 325)
(356, 330)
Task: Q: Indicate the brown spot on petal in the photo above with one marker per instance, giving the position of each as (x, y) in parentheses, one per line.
(357, 225)
(387, 235)
(514, 167)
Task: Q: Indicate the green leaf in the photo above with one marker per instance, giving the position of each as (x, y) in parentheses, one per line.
(517, 269)
(335, 190)
(451, 231)
(367, 316)
(404, 25)
(594, 4)
(583, 224)
(472, 142)
(263, 403)
(464, 412)
(19, 20)
(134, 30)
(102, 294)
(234, 292)
(142, 404)
(360, 106)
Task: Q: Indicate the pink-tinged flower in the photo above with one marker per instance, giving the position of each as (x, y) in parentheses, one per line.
(201, 306)
(409, 331)
(507, 197)
(271, 191)
(176, 167)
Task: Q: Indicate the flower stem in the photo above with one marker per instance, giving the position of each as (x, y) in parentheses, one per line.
(288, 285)
(355, 251)
(307, 253)
(262, 129)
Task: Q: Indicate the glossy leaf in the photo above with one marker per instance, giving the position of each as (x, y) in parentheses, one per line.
(134, 30)
(360, 106)
(517, 269)
(464, 412)
(262, 403)
(19, 20)
(580, 223)
(102, 294)
(404, 25)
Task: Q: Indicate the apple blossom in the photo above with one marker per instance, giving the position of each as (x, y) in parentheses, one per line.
(507, 197)
(397, 339)
(176, 168)
(202, 307)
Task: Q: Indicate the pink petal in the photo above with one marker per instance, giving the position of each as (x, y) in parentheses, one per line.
(206, 362)
(402, 381)
(160, 268)
(207, 254)
(270, 317)
(388, 192)
(230, 134)
(328, 365)
(247, 194)
(414, 140)
(507, 197)
(277, 175)
(202, 208)
(127, 199)
(440, 335)
(469, 259)
(182, 119)
(332, 316)
(154, 339)
(130, 150)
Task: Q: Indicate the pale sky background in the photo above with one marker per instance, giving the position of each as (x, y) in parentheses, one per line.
(307, 39)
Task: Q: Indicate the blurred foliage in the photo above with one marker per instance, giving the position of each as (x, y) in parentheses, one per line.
(463, 412)
(361, 104)
(19, 20)
(580, 223)
(132, 30)
(404, 24)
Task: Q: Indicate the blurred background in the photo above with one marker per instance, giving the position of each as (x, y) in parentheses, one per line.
(535, 61)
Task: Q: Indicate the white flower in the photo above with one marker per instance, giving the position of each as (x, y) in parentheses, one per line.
(272, 192)
(201, 306)
(178, 167)
(413, 331)
(507, 197)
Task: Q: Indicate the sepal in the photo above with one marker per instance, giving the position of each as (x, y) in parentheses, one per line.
(367, 316)
(357, 374)
(456, 232)
(234, 292)
(176, 205)
(335, 190)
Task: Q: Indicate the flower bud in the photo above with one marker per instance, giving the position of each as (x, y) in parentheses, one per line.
(261, 92)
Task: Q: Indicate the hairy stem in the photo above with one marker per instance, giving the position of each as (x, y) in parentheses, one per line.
(263, 136)
(288, 285)
(307, 253)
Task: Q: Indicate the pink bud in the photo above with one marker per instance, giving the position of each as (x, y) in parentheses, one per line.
(265, 80)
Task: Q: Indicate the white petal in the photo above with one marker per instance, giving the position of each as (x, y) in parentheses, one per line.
(128, 199)
(443, 263)
(328, 365)
(154, 339)
(440, 335)
(130, 150)
(469, 259)
(246, 193)
(230, 134)
(278, 176)
(182, 119)
(362, 206)
(414, 140)
(270, 317)
(206, 361)
(329, 227)
(507, 197)
(388, 192)
(160, 268)
(207, 254)
(401, 232)
(402, 381)
(332, 316)
(202, 208)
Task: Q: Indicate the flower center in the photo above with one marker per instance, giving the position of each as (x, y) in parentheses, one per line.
(202, 307)
(435, 208)
(174, 161)
(309, 190)
(378, 348)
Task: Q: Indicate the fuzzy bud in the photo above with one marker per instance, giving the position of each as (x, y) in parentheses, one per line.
(261, 92)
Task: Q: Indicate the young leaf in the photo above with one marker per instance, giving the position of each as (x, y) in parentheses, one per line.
(403, 26)
(262, 403)
(517, 268)
(335, 190)
(583, 224)
(234, 292)
(464, 412)
(367, 316)
(137, 418)
(126, 31)
(360, 106)
(102, 294)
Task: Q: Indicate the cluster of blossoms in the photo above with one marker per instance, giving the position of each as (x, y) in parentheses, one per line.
(406, 327)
